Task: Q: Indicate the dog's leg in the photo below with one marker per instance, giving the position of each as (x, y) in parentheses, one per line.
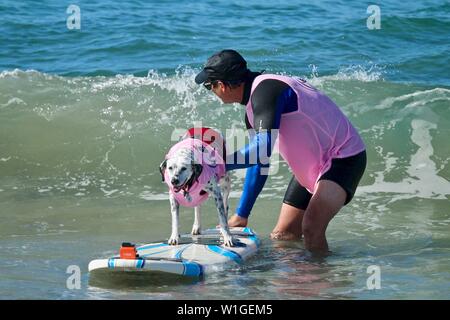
(214, 189)
(174, 209)
(197, 223)
(225, 184)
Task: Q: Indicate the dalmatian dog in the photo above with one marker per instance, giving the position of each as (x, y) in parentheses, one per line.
(193, 169)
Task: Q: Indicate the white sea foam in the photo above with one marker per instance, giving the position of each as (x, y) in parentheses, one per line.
(17, 73)
(13, 101)
(148, 195)
(419, 98)
(108, 193)
(422, 180)
(369, 73)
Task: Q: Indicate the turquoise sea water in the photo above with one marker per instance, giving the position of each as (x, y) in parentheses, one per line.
(87, 115)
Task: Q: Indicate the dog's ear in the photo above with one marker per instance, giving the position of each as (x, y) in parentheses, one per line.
(162, 168)
(197, 168)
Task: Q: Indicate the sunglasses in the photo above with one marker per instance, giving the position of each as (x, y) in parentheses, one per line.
(208, 85)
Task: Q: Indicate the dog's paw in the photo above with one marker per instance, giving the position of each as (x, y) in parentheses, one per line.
(228, 241)
(173, 240)
(196, 230)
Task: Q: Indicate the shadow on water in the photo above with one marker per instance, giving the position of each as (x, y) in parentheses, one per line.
(138, 280)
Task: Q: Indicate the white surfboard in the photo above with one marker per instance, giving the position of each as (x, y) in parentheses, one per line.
(194, 256)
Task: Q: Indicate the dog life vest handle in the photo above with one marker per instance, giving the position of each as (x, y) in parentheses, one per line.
(205, 134)
(194, 133)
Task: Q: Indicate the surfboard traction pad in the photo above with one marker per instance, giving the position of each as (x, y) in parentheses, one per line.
(194, 256)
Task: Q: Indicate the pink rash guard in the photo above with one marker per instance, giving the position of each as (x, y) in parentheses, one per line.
(311, 136)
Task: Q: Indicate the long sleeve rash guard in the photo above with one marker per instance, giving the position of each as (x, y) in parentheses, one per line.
(270, 99)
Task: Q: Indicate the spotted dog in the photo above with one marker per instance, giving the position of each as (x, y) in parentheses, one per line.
(193, 169)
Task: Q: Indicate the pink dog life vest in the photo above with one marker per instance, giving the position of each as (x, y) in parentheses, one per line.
(311, 136)
(212, 164)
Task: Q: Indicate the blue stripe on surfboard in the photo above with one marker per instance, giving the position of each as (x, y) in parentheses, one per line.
(192, 269)
(153, 253)
(151, 246)
(140, 263)
(178, 255)
(255, 240)
(111, 263)
(253, 236)
(226, 253)
(180, 252)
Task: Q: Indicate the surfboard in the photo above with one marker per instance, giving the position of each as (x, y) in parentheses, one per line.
(194, 256)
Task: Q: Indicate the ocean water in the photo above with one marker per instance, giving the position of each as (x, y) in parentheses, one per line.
(86, 117)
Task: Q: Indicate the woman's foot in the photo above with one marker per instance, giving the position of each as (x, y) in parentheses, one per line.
(284, 235)
(289, 225)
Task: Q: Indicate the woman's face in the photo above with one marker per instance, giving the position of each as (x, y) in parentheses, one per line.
(223, 92)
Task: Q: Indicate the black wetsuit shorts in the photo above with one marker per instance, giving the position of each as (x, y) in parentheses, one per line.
(346, 172)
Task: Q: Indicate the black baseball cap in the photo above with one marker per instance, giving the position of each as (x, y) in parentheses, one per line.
(226, 65)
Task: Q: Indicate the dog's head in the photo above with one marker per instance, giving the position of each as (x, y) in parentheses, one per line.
(181, 169)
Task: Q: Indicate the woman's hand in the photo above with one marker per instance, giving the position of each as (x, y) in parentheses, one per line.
(237, 221)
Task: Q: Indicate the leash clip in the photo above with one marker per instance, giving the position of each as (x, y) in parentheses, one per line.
(187, 196)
